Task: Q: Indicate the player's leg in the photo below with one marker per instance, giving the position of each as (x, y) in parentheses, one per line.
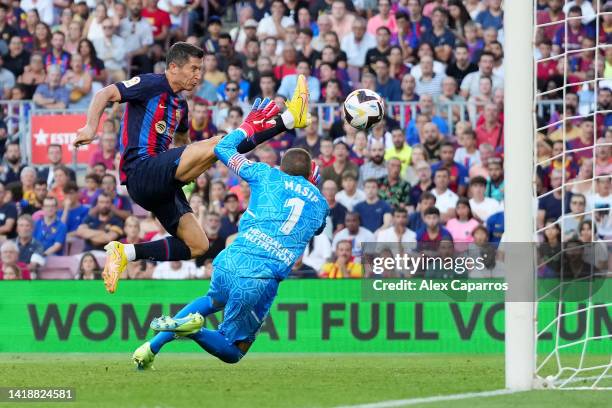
(215, 300)
(247, 308)
(200, 156)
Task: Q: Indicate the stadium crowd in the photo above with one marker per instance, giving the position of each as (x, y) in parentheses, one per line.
(417, 177)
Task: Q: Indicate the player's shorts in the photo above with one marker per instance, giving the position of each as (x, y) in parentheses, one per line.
(152, 185)
(247, 303)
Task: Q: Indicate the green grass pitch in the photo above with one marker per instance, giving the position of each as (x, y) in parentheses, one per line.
(276, 380)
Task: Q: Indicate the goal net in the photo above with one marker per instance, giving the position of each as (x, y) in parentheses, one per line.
(572, 145)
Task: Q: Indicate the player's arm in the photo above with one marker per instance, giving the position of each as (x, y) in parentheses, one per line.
(227, 151)
(87, 133)
(259, 119)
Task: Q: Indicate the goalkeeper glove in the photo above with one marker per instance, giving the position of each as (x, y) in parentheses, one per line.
(260, 117)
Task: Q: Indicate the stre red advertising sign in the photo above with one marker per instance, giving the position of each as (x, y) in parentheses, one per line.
(61, 130)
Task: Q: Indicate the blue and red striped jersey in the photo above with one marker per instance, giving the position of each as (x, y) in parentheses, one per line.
(154, 113)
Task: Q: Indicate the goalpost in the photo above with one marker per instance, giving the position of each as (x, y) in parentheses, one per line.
(525, 369)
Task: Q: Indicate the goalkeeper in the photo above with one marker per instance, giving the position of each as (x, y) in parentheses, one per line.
(285, 211)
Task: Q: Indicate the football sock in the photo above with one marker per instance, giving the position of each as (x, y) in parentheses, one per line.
(249, 144)
(202, 305)
(167, 249)
(217, 345)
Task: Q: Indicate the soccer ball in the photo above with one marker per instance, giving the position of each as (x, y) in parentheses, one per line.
(363, 109)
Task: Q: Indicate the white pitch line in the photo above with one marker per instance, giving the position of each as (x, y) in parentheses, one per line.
(425, 400)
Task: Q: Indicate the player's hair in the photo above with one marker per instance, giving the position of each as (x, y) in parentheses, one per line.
(296, 162)
(180, 53)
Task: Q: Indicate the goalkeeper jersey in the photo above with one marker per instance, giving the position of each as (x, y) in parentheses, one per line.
(284, 213)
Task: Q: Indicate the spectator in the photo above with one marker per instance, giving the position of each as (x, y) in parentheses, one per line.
(159, 20)
(57, 56)
(393, 189)
(30, 250)
(357, 43)
(388, 88)
(468, 154)
(383, 19)
(549, 206)
(79, 84)
(461, 65)
(471, 83)
(340, 164)
(140, 34)
(9, 257)
(212, 227)
(400, 149)
(446, 199)
(234, 75)
(73, 213)
(93, 64)
(102, 226)
(495, 183)
(425, 183)
(491, 131)
(17, 57)
(310, 141)
(433, 231)
(289, 82)
(375, 167)
(343, 266)
(51, 94)
(495, 226)
(427, 114)
(229, 221)
(440, 36)
(275, 24)
(60, 179)
(121, 206)
(40, 192)
(382, 49)
(112, 49)
(74, 33)
(552, 14)
(572, 221)
(54, 158)
(177, 270)
(42, 38)
(50, 231)
(493, 16)
(106, 151)
(34, 74)
(8, 215)
(482, 207)
(27, 180)
(416, 221)
(462, 226)
(586, 8)
(595, 253)
(374, 212)
(458, 173)
(7, 80)
(337, 212)
(12, 166)
(89, 269)
(420, 24)
(200, 125)
(398, 233)
(350, 195)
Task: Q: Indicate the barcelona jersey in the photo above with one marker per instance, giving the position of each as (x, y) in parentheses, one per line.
(154, 113)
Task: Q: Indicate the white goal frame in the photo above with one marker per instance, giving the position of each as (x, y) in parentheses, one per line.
(519, 112)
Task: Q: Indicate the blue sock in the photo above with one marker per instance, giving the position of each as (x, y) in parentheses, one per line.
(202, 305)
(217, 345)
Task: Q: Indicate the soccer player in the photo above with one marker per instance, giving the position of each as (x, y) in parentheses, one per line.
(285, 211)
(153, 173)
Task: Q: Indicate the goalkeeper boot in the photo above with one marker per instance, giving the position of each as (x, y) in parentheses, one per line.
(116, 263)
(181, 326)
(143, 357)
(298, 104)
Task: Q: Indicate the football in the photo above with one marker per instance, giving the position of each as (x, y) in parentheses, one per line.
(363, 109)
